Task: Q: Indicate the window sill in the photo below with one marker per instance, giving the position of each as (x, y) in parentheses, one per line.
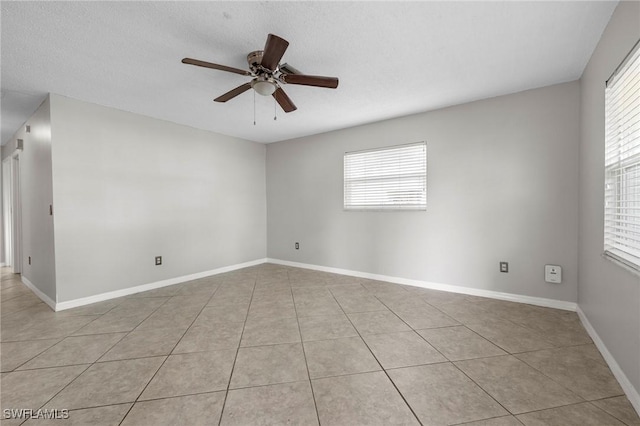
(396, 209)
(624, 265)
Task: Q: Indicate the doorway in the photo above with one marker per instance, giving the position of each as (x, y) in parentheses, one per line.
(11, 205)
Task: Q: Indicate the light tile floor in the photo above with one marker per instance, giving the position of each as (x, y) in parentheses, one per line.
(272, 345)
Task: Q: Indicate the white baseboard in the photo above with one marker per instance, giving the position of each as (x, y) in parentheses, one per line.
(46, 299)
(61, 306)
(632, 393)
(539, 301)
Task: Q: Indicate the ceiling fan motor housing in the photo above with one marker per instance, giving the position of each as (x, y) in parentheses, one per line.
(254, 59)
(263, 83)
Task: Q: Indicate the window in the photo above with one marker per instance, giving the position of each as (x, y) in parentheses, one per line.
(622, 162)
(393, 178)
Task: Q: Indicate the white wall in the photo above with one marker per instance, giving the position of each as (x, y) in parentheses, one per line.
(36, 196)
(128, 188)
(502, 185)
(608, 294)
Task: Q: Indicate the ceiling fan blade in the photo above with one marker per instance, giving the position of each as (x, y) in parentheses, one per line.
(310, 80)
(274, 49)
(288, 69)
(233, 93)
(283, 100)
(214, 66)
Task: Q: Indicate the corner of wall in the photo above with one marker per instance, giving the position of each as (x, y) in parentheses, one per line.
(608, 295)
(36, 197)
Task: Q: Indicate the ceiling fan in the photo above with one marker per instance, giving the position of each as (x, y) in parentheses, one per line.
(268, 74)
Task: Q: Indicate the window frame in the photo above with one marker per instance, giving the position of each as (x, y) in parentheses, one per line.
(622, 175)
(348, 205)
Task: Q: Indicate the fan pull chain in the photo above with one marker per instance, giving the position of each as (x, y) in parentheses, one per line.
(275, 110)
(254, 107)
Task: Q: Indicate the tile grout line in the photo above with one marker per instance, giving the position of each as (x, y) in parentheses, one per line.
(167, 356)
(508, 353)
(167, 397)
(448, 360)
(35, 356)
(472, 331)
(555, 348)
(244, 325)
(481, 388)
(304, 353)
(130, 331)
(100, 316)
(569, 405)
(376, 358)
(465, 374)
(485, 338)
(605, 411)
(326, 287)
(27, 307)
(69, 365)
(83, 371)
(583, 400)
(14, 296)
(90, 363)
(333, 376)
(490, 418)
(67, 385)
(558, 383)
(414, 330)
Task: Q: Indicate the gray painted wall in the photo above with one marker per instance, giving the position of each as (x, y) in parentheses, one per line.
(608, 294)
(128, 188)
(502, 185)
(36, 195)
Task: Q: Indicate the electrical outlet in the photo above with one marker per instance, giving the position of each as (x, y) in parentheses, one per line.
(297, 246)
(158, 260)
(504, 266)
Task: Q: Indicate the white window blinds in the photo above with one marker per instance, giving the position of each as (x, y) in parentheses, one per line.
(622, 162)
(393, 178)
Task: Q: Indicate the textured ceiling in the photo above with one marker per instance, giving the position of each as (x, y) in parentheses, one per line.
(392, 58)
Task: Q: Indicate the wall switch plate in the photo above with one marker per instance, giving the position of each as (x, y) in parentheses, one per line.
(553, 274)
(158, 260)
(297, 246)
(504, 266)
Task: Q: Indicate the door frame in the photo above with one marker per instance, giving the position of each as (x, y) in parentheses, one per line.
(12, 212)
(7, 220)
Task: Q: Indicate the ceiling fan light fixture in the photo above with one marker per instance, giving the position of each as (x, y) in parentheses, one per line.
(264, 88)
(267, 74)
